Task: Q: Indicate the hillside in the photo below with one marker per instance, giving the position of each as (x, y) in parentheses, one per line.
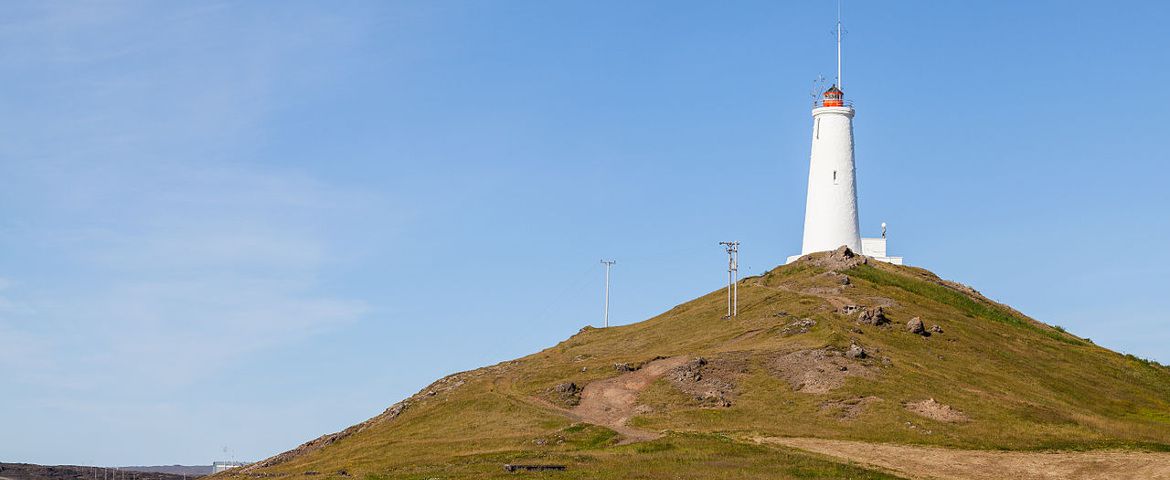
(821, 349)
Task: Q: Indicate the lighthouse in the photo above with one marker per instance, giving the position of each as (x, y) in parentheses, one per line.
(830, 212)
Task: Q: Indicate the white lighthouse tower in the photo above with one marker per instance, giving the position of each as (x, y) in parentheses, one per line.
(830, 214)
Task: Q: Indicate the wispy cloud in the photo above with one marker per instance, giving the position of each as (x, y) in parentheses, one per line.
(172, 253)
(192, 285)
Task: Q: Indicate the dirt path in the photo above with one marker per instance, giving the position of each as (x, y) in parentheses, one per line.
(610, 402)
(951, 464)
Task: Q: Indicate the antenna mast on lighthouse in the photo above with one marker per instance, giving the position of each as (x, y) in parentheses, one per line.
(840, 80)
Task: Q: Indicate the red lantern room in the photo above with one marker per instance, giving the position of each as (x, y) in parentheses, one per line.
(833, 97)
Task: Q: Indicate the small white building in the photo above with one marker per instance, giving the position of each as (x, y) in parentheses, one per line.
(876, 248)
(217, 467)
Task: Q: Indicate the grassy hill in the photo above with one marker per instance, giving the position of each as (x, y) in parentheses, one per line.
(809, 355)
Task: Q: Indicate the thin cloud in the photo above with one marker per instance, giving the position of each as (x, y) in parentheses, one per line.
(174, 255)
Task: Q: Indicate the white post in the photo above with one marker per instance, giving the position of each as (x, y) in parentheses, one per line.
(607, 295)
(608, 263)
(732, 277)
(735, 301)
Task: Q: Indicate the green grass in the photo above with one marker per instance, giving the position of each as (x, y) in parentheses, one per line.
(960, 301)
(677, 456)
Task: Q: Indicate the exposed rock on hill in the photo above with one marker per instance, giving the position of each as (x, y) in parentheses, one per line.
(933, 410)
(916, 326)
(843, 258)
(711, 382)
(798, 327)
(567, 394)
(818, 371)
(873, 316)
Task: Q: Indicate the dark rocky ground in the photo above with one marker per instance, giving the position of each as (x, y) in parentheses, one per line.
(26, 471)
(188, 470)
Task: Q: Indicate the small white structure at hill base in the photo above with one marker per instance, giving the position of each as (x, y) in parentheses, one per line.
(217, 467)
(830, 215)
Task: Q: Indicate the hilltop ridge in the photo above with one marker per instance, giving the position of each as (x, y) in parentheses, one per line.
(833, 346)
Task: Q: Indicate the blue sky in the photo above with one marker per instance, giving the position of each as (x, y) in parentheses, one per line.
(248, 224)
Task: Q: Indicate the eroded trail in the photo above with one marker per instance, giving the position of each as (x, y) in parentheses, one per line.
(918, 462)
(611, 402)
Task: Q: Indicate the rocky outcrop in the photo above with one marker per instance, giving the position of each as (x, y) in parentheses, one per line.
(818, 371)
(873, 316)
(567, 394)
(837, 278)
(800, 326)
(916, 326)
(843, 258)
(934, 410)
(711, 383)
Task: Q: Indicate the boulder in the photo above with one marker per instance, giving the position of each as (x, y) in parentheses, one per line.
(840, 259)
(874, 316)
(856, 352)
(568, 394)
(936, 329)
(916, 326)
(691, 372)
(800, 326)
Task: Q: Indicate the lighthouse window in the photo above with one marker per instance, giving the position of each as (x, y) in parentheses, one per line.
(834, 177)
(818, 129)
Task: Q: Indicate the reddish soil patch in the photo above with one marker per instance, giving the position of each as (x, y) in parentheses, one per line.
(610, 402)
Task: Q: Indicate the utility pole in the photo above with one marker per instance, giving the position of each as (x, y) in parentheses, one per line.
(608, 264)
(732, 278)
